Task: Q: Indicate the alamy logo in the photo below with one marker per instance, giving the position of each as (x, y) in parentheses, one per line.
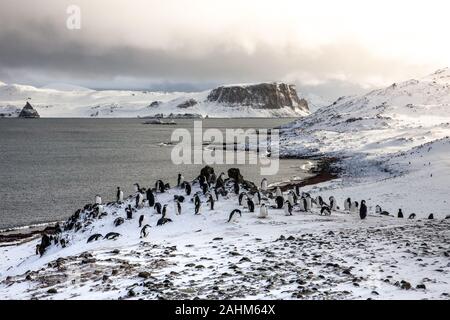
(204, 147)
(73, 22)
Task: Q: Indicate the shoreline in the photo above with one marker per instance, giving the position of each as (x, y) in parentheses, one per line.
(16, 235)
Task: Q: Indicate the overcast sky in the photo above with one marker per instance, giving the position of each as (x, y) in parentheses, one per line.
(329, 48)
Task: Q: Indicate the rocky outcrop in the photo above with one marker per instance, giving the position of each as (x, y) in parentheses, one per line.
(259, 96)
(28, 112)
(187, 104)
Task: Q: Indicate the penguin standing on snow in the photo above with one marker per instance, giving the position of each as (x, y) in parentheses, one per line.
(325, 210)
(220, 182)
(150, 197)
(163, 220)
(177, 207)
(291, 199)
(302, 204)
(400, 213)
(264, 184)
(297, 190)
(119, 195)
(157, 207)
(354, 206)
(263, 211)
(288, 208)
(187, 188)
(179, 180)
(145, 231)
(197, 204)
(333, 203)
(141, 219)
(205, 188)
(164, 210)
(308, 202)
(241, 197)
(363, 210)
(251, 205)
(279, 200)
(347, 204)
(211, 201)
(159, 185)
(136, 187)
(129, 212)
(212, 179)
(232, 213)
(139, 200)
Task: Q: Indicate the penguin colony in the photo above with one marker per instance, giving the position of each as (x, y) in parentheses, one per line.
(251, 200)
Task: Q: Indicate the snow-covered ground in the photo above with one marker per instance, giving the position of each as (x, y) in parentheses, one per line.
(303, 256)
(65, 101)
(393, 144)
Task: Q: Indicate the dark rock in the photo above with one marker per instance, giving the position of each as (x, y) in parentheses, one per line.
(259, 96)
(405, 285)
(187, 104)
(29, 112)
(421, 286)
(144, 274)
(235, 174)
(52, 291)
(207, 172)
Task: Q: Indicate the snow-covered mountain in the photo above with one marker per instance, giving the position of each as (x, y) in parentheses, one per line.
(259, 100)
(392, 143)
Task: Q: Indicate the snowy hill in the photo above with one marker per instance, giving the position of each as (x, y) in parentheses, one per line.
(60, 100)
(375, 134)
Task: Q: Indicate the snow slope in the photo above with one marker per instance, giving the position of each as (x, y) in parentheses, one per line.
(382, 139)
(60, 100)
(303, 256)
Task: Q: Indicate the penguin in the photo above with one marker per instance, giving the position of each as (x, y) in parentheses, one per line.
(302, 204)
(164, 210)
(333, 203)
(431, 216)
(159, 186)
(150, 197)
(233, 213)
(354, 207)
(141, 219)
(347, 204)
(136, 187)
(212, 179)
(363, 210)
(241, 197)
(288, 208)
(279, 200)
(236, 187)
(202, 180)
(163, 220)
(325, 210)
(118, 221)
(263, 211)
(188, 188)
(264, 184)
(119, 195)
(157, 207)
(98, 199)
(308, 202)
(412, 216)
(94, 237)
(278, 192)
(290, 198)
(216, 193)
(220, 181)
(145, 231)
(211, 201)
(112, 236)
(177, 205)
(378, 209)
(139, 200)
(179, 180)
(400, 213)
(129, 212)
(197, 204)
(251, 205)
